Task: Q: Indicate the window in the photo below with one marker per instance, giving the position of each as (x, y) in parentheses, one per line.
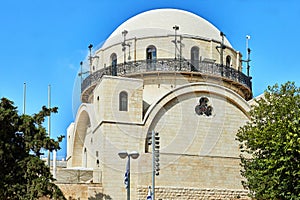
(123, 101)
(113, 59)
(151, 57)
(84, 158)
(195, 58)
(204, 107)
(151, 52)
(228, 61)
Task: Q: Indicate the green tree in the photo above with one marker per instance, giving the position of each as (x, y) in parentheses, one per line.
(23, 175)
(270, 144)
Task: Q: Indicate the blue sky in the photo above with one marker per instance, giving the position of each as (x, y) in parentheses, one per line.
(43, 42)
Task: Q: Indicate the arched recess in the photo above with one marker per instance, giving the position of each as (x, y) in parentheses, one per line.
(79, 154)
(185, 92)
(228, 61)
(151, 57)
(114, 62)
(195, 58)
(123, 101)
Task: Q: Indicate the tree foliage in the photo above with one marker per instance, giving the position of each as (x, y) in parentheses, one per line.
(270, 144)
(23, 175)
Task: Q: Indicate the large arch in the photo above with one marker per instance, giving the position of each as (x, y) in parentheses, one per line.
(196, 87)
(192, 90)
(83, 122)
(198, 147)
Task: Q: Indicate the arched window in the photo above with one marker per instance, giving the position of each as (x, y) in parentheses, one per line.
(123, 101)
(151, 52)
(194, 58)
(151, 57)
(228, 61)
(113, 59)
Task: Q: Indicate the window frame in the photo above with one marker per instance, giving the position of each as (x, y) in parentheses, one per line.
(123, 101)
(114, 64)
(195, 57)
(228, 61)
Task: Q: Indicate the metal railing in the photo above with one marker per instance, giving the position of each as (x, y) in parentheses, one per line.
(168, 65)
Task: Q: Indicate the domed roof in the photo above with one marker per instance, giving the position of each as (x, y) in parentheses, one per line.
(160, 22)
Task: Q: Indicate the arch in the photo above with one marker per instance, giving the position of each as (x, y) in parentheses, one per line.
(151, 54)
(210, 88)
(123, 101)
(194, 58)
(228, 61)
(85, 119)
(185, 92)
(79, 155)
(114, 62)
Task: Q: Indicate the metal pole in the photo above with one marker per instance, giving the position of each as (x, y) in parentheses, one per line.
(175, 41)
(24, 99)
(124, 55)
(81, 72)
(124, 33)
(123, 155)
(176, 29)
(180, 51)
(248, 60)
(128, 187)
(222, 46)
(153, 165)
(90, 57)
(180, 47)
(54, 164)
(248, 54)
(247, 44)
(175, 44)
(49, 119)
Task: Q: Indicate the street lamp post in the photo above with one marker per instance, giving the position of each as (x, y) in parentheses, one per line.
(123, 155)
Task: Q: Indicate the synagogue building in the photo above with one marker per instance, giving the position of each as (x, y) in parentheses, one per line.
(171, 73)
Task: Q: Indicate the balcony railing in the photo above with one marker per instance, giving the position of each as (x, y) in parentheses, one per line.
(168, 65)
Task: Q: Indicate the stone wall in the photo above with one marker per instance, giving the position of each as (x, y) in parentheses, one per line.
(91, 191)
(84, 191)
(170, 193)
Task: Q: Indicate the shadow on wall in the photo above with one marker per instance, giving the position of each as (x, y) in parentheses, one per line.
(98, 196)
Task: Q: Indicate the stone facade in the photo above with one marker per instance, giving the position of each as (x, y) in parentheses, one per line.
(195, 104)
(194, 193)
(82, 191)
(95, 192)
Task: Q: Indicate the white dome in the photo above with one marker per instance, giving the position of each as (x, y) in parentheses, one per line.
(160, 22)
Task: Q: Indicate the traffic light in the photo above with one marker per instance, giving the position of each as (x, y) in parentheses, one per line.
(149, 138)
(156, 152)
(154, 136)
